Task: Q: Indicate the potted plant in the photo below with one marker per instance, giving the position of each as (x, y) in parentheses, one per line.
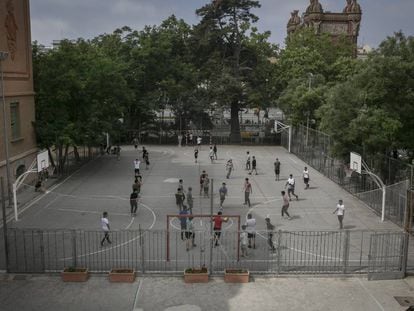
(122, 275)
(236, 276)
(192, 275)
(73, 274)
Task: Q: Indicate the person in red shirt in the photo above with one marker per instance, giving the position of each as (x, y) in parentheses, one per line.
(218, 223)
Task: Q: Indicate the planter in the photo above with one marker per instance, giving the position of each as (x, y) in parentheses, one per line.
(122, 275)
(196, 275)
(75, 275)
(236, 276)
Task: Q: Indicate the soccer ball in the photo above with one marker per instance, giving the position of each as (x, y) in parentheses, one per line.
(225, 219)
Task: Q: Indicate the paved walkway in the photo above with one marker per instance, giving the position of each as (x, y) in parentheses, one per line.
(172, 294)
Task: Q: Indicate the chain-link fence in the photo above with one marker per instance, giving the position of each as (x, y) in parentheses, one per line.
(313, 147)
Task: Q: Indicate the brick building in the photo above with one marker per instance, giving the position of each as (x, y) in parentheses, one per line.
(15, 38)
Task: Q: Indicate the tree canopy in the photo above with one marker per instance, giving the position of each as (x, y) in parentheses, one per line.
(117, 82)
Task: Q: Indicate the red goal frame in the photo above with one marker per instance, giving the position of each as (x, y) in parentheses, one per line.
(169, 216)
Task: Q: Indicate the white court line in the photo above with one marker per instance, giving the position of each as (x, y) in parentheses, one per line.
(293, 160)
(369, 293)
(85, 212)
(130, 224)
(40, 197)
(122, 244)
(136, 295)
(303, 252)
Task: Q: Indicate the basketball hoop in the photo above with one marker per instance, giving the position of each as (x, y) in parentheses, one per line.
(348, 172)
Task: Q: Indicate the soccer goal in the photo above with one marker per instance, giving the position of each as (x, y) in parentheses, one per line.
(203, 225)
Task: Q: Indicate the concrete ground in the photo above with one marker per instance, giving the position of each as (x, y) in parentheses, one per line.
(49, 293)
(105, 184)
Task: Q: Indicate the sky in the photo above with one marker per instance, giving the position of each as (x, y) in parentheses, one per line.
(72, 19)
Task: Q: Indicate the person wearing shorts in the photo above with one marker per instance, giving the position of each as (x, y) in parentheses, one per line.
(285, 205)
(251, 230)
(243, 241)
(247, 188)
(248, 161)
(137, 164)
(290, 184)
(277, 169)
(218, 224)
(306, 177)
(195, 155)
(202, 176)
(340, 212)
(270, 229)
(190, 234)
(223, 194)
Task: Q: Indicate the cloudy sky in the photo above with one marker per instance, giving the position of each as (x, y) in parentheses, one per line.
(57, 19)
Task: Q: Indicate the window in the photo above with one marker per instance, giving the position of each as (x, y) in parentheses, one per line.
(15, 121)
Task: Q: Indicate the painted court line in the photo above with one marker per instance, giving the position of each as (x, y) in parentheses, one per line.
(369, 293)
(122, 244)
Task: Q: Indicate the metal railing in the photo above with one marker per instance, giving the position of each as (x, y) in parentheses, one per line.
(314, 148)
(294, 252)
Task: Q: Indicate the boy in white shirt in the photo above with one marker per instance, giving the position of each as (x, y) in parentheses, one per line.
(137, 163)
(306, 177)
(251, 230)
(243, 241)
(105, 228)
(340, 212)
(290, 184)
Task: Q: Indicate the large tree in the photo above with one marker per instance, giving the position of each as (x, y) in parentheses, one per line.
(80, 93)
(222, 36)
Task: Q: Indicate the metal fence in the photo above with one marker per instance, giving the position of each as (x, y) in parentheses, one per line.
(313, 147)
(294, 252)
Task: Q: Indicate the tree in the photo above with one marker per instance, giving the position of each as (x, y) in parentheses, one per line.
(310, 65)
(80, 94)
(223, 30)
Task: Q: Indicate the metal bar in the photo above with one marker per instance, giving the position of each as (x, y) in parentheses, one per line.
(3, 206)
(211, 227)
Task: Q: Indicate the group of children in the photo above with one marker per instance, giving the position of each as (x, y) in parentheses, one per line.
(136, 186)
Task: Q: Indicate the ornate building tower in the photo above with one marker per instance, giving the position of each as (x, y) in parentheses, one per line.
(17, 135)
(336, 24)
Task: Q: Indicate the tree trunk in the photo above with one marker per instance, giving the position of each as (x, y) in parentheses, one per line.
(76, 153)
(235, 136)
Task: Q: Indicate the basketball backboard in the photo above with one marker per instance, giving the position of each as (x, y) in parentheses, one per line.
(355, 162)
(42, 161)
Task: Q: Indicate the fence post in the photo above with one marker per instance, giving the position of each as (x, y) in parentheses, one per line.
(3, 205)
(404, 257)
(345, 258)
(42, 250)
(211, 228)
(74, 255)
(141, 244)
(279, 253)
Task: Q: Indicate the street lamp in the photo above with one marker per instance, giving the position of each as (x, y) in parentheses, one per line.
(3, 57)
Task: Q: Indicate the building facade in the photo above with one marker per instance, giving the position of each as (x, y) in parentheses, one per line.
(15, 38)
(336, 24)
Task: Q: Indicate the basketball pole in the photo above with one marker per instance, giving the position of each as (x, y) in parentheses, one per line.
(211, 226)
(3, 205)
(380, 184)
